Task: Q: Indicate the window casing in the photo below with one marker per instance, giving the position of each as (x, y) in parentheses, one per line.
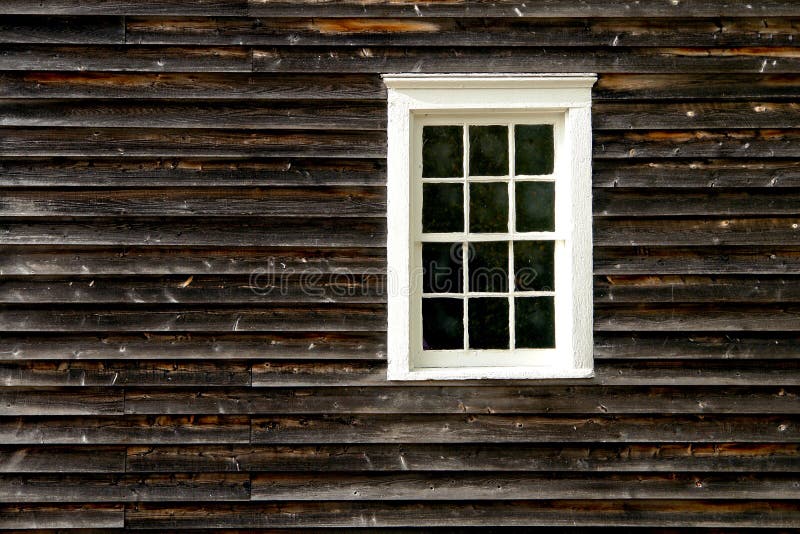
(489, 220)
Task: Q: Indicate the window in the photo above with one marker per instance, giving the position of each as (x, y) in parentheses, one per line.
(489, 226)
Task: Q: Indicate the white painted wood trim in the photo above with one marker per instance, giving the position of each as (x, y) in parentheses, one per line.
(568, 97)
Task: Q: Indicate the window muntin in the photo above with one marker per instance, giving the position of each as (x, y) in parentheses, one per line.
(485, 240)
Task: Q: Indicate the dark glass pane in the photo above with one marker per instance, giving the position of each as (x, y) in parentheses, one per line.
(535, 326)
(442, 268)
(442, 208)
(442, 324)
(488, 207)
(488, 323)
(533, 149)
(533, 265)
(535, 206)
(488, 266)
(488, 150)
(442, 151)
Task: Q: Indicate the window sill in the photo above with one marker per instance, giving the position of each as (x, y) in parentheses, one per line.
(488, 373)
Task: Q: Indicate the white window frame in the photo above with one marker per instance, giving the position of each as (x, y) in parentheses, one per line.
(561, 100)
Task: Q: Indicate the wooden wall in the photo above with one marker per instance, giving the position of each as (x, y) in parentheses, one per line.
(155, 155)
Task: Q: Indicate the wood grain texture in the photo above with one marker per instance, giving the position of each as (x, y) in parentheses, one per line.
(40, 401)
(469, 457)
(716, 173)
(698, 260)
(69, 516)
(49, 459)
(62, 30)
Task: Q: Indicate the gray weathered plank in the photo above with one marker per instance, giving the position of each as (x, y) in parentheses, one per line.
(707, 231)
(629, 457)
(651, 202)
(572, 513)
(694, 86)
(194, 114)
(690, 288)
(62, 30)
(196, 86)
(350, 201)
(351, 428)
(696, 317)
(230, 232)
(692, 115)
(313, 318)
(731, 173)
(402, 400)
(64, 516)
(168, 142)
(197, 346)
(698, 260)
(119, 430)
(174, 487)
(127, 7)
(187, 173)
(473, 487)
(49, 459)
(47, 401)
(700, 346)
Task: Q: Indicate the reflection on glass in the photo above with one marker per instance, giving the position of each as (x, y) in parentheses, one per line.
(488, 266)
(488, 150)
(535, 206)
(442, 324)
(442, 208)
(442, 267)
(533, 265)
(488, 207)
(488, 323)
(534, 319)
(533, 149)
(442, 152)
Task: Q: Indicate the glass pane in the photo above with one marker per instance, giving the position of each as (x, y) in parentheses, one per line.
(535, 323)
(533, 149)
(488, 150)
(442, 324)
(488, 323)
(488, 266)
(488, 207)
(441, 267)
(535, 206)
(442, 208)
(442, 152)
(533, 265)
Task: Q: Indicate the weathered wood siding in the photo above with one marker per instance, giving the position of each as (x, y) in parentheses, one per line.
(155, 155)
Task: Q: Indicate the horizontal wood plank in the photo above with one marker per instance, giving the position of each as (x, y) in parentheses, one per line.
(353, 428)
(49, 459)
(687, 116)
(258, 288)
(244, 232)
(65, 261)
(706, 231)
(642, 372)
(350, 201)
(121, 488)
(674, 288)
(127, 7)
(461, 31)
(458, 400)
(755, 260)
(194, 85)
(195, 346)
(695, 86)
(555, 457)
(41, 401)
(460, 487)
(691, 317)
(187, 173)
(119, 430)
(119, 374)
(214, 115)
(319, 317)
(730, 173)
(62, 30)
(700, 346)
(157, 142)
(652, 202)
(66, 516)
